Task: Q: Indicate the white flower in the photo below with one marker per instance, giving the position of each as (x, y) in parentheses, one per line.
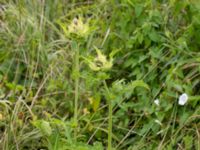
(157, 102)
(183, 99)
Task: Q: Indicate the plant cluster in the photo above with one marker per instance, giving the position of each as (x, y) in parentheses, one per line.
(99, 74)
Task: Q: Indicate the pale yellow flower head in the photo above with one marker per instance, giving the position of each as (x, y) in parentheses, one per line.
(101, 62)
(78, 27)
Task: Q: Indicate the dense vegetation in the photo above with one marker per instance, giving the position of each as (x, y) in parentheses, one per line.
(99, 74)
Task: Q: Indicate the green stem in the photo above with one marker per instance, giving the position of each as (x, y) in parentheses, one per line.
(109, 117)
(76, 92)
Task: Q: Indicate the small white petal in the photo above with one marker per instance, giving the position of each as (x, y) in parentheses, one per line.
(183, 99)
(157, 102)
(158, 122)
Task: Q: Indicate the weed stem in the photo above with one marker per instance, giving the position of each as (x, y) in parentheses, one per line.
(109, 117)
(76, 92)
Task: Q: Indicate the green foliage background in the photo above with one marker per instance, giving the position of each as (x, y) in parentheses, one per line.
(155, 49)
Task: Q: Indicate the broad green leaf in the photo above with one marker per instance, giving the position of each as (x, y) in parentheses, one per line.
(154, 36)
(44, 127)
(138, 10)
(139, 83)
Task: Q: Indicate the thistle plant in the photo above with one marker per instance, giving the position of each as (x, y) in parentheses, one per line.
(78, 31)
(102, 64)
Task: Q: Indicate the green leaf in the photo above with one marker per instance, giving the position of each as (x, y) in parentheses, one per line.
(139, 83)
(188, 142)
(138, 10)
(154, 36)
(44, 127)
